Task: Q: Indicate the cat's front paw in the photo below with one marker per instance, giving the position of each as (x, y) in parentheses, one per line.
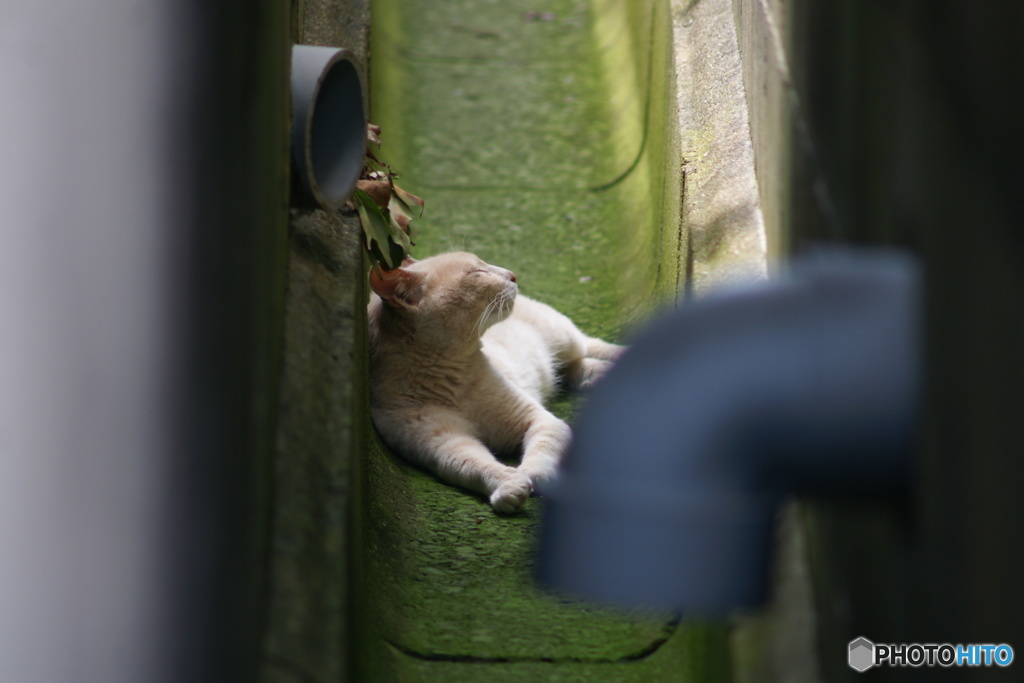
(540, 472)
(593, 370)
(511, 493)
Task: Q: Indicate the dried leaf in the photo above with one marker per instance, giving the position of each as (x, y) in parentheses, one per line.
(378, 189)
(373, 133)
(402, 221)
(409, 199)
(385, 210)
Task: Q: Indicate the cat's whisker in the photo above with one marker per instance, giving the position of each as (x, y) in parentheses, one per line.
(480, 322)
(486, 314)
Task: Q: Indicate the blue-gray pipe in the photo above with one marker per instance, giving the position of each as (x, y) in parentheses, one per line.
(807, 385)
(328, 126)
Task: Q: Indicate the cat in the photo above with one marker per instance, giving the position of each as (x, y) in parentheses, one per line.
(460, 367)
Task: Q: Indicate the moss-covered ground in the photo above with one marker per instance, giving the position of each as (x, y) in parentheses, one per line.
(538, 135)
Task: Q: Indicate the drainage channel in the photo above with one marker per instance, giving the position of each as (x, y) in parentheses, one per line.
(540, 139)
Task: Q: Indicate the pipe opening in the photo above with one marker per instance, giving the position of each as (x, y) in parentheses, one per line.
(329, 126)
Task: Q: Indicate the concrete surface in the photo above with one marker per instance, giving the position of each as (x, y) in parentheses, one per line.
(721, 207)
(320, 430)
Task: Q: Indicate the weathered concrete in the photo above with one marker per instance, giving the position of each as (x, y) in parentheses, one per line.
(721, 206)
(760, 27)
(320, 429)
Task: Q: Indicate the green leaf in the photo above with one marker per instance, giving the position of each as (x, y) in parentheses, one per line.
(376, 228)
(397, 253)
(401, 212)
(398, 234)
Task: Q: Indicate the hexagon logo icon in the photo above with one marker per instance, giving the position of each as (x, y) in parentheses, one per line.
(862, 654)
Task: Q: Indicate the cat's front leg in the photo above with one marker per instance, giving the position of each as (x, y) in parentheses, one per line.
(445, 444)
(602, 350)
(583, 373)
(512, 492)
(465, 461)
(545, 441)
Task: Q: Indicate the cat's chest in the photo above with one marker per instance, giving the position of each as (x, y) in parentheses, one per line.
(499, 411)
(438, 383)
(518, 353)
(460, 386)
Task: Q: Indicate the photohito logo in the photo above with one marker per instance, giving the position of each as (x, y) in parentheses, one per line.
(863, 654)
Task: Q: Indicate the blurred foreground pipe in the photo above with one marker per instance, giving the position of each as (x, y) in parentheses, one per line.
(808, 385)
(144, 199)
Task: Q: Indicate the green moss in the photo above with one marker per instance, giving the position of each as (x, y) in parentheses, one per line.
(543, 144)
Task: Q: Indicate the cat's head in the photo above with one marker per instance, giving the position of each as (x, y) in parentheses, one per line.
(453, 295)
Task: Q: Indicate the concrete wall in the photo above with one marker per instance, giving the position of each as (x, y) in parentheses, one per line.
(900, 124)
(723, 217)
(320, 427)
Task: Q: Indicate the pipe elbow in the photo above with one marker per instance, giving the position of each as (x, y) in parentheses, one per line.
(807, 385)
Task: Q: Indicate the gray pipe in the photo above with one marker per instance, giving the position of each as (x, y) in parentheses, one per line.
(808, 385)
(328, 126)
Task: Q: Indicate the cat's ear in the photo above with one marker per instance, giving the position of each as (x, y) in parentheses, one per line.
(398, 287)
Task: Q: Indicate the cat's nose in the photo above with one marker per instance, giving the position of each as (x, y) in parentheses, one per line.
(511, 276)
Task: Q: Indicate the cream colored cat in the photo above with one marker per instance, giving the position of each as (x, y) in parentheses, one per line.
(459, 370)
